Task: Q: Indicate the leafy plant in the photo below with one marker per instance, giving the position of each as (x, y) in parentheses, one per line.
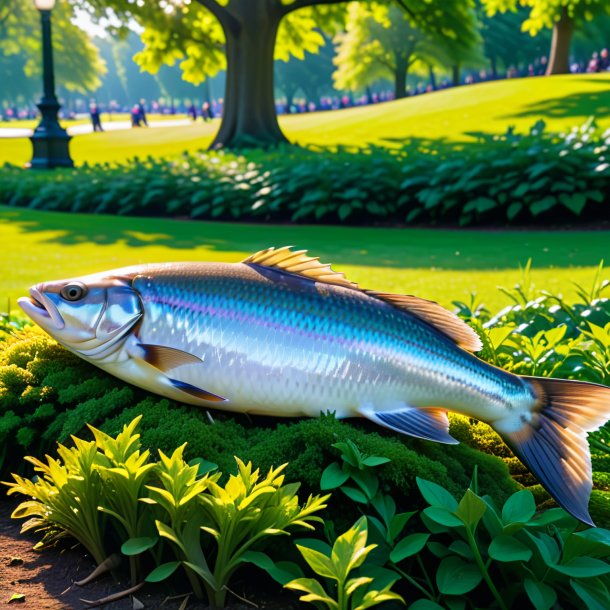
(349, 552)
(240, 516)
(509, 178)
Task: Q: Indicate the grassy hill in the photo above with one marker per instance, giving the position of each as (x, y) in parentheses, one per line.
(452, 114)
(443, 265)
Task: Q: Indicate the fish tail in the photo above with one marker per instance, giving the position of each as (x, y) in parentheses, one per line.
(552, 441)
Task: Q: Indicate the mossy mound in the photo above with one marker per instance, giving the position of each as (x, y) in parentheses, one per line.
(48, 394)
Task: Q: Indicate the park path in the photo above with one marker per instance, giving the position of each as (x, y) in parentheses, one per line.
(74, 130)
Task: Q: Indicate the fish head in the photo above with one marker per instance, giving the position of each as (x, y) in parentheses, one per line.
(88, 315)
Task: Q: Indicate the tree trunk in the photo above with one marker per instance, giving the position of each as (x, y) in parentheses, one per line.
(400, 78)
(559, 62)
(432, 76)
(250, 117)
(494, 66)
(455, 75)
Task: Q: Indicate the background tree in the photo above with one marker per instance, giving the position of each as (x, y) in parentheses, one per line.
(562, 16)
(379, 42)
(311, 75)
(382, 41)
(245, 36)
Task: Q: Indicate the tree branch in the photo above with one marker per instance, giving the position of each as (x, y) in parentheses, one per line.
(297, 4)
(222, 14)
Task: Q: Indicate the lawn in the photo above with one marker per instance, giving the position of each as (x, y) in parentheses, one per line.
(453, 114)
(443, 265)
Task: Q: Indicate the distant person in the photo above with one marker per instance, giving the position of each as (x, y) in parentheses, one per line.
(206, 112)
(604, 60)
(96, 121)
(142, 113)
(135, 116)
(192, 112)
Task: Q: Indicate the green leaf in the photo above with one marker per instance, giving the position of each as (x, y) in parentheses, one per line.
(513, 209)
(319, 563)
(165, 570)
(345, 209)
(355, 494)
(508, 548)
(519, 508)
(373, 460)
(436, 495)
(411, 545)
(594, 542)
(314, 590)
(282, 572)
(457, 577)
(442, 516)
(583, 567)
(593, 592)
(543, 205)
(470, 509)
(575, 202)
(135, 546)
(541, 595)
(333, 476)
(425, 604)
(16, 597)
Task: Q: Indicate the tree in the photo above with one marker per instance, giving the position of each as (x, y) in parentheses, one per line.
(562, 16)
(312, 75)
(78, 65)
(244, 36)
(382, 41)
(379, 42)
(505, 44)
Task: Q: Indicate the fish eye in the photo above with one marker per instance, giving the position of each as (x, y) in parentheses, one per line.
(73, 292)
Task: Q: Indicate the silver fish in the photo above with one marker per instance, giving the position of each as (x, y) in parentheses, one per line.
(281, 334)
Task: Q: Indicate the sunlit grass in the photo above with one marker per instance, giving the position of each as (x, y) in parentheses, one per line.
(442, 265)
(453, 114)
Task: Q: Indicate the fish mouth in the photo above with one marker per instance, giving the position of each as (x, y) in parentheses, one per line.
(41, 309)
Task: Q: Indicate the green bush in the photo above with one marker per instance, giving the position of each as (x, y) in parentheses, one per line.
(497, 179)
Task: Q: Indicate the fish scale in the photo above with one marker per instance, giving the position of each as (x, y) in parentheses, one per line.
(269, 342)
(282, 334)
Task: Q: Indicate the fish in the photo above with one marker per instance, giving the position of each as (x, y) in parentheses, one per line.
(285, 335)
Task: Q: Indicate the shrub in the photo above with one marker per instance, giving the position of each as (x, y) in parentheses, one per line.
(107, 495)
(497, 179)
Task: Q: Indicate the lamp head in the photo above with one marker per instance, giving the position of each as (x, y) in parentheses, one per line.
(44, 5)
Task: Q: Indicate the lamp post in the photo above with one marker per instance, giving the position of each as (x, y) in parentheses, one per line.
(49, 140)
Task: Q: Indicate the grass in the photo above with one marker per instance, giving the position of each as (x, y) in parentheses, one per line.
(442, 265)
(452, 114)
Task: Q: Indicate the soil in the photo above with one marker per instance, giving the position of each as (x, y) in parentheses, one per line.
(46, 579)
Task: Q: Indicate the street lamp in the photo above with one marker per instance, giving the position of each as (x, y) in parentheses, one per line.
(49, 140)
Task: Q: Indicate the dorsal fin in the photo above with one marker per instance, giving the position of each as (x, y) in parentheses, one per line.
(300, 264)
(434, 314)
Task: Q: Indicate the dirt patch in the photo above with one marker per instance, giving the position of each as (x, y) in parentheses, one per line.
(46, 579)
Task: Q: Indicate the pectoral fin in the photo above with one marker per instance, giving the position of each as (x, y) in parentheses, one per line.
(429, 424)
(165, 358)
(195, 391)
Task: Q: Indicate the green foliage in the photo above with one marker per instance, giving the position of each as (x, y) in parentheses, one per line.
(349, 552)
(108, 495)
(503, 179)
(77, 61)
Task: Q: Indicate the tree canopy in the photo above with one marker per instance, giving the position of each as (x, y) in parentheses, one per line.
(244, 36)
(78, 65)
(562, 16)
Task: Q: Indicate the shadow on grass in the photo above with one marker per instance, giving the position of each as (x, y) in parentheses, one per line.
(453, 249)
(577, 105)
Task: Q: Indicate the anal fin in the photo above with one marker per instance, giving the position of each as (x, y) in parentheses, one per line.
(195, 391)
(429, 424)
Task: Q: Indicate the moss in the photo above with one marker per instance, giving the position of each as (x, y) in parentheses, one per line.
(54, 395)
(599, 508)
